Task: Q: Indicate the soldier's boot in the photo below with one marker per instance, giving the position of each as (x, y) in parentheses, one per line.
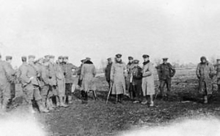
(31, 109)
(41, 107)
(70, 99)
(85, 101)
(4, 106)
(49, 105)
(94, 95)
(62, 103)
(58, 101)
(82, 95)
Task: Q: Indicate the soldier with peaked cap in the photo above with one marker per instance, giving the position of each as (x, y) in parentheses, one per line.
(129, 86)
(205, 72)
(5, 79)
(79, 73)
(118, 75)
(165, 71)
(12, 86)
(148, 80)
(60, 82)
(137, 81)
(87, 76)
(68, 72)
(30, 84)
(108, 71)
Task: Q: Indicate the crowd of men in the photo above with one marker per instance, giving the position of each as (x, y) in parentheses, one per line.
(48, 83)
(138, 81)
(44, 82)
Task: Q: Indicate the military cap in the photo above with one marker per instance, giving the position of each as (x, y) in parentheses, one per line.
(218, 59)
(203, 58)
(45, 60)
(23, 57)
(118, 55)
(165, 58)
(60, 57)
(66, 57)
(47, 56)
(136, 61)
(145, 56)
(130, 58)
(51, 57)
(87, 58)
(31, 56)
(8, 57)
(109, 59)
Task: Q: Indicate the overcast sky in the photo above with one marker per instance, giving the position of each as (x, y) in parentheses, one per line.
(182, 30)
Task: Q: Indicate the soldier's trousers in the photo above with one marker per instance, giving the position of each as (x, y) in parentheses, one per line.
(68, 88)
(61, 87)
(137, 88)
(12, 88)
(5, 93)
(44, 92)
(163, 83)
(52, 91)
(31, 92)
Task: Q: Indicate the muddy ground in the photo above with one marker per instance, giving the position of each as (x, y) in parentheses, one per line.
(100, 119)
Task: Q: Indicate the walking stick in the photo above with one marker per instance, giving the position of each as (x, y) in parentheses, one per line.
(109, 92)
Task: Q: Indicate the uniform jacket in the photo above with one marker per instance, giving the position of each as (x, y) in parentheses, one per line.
(130, 66)
(88, 73)
(52, 74)
(108, 72)
(67, 68)
(44, 74)
(5, 73)
(148, 79)
(165, 71)
(136, 75)
(205, 71)
(118, 76)
(59, 72)
(27, 72)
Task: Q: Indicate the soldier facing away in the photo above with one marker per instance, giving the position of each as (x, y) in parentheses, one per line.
(165, 72)
(205, 72)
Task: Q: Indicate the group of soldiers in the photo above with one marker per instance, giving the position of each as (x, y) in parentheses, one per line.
(138, 82)
(48, 83)
(135, 81)
(44, 82)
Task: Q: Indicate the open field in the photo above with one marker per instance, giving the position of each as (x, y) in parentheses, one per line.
(99, 119)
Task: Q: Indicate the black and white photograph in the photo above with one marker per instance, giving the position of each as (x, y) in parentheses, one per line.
(109, 68)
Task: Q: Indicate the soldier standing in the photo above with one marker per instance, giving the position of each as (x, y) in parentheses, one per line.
(137, 81)
(205, 72)
(129, 86)
(60, 82)
(108, 71)
(30, 83)
(53, 92)
(12, 86)
(165, 72)
(79, 74)
(218, 73)
(118, 75)
(148, 80)
(5, 78)
(88, 73)
(68, 72)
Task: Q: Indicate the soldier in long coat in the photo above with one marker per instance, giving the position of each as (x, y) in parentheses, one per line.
(30, 83)
(205, 72)
(12, 86)
(60, 82)
(118, 76)
(108, 71)
(148, 80)
(68, 72)
(88, 73)
(5, 80)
